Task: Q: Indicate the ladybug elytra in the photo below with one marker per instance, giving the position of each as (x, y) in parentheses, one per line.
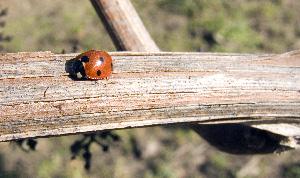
(92, 65)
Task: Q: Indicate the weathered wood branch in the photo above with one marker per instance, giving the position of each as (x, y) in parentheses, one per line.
(37, 98)
(128, 34)
(124, 25)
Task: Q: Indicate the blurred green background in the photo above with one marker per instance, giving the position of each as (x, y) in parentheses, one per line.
(238, 26)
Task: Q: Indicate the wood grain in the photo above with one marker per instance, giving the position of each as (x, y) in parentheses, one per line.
(37, 97)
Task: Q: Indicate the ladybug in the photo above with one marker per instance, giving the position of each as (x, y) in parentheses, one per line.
(92, 65)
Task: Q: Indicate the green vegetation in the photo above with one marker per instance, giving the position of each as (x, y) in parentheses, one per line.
(292, 171)
(270, 26)
(223, 26)
(176, 25)
(53, 26)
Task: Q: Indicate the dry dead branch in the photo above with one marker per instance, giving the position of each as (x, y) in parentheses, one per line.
(39, 99)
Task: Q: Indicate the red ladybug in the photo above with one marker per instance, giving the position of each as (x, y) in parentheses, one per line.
(92, 65)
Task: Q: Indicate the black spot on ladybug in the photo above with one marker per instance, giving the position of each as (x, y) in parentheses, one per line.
(85, 59)
(101, 59)
(112, 67)
(98, 72)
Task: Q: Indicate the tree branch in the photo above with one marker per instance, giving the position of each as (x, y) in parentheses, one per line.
(39, 99)
(124, 25)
